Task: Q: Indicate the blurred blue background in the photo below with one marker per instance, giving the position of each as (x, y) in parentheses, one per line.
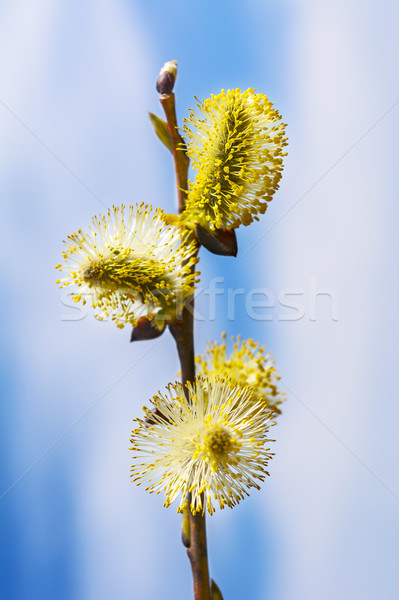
(76, 82)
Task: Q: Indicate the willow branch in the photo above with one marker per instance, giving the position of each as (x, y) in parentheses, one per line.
(183, 333)
(180, 158)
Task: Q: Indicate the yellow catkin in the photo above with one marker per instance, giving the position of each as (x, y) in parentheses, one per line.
(248, 365)
(131, 264)
(214, 447)
(236, 143)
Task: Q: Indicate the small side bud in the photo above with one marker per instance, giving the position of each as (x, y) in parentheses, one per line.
(145, 330)
(219, 241)
(167, 78)
(216, 594)
(185, 529)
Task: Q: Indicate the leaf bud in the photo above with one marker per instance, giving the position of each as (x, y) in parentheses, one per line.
(167, 77)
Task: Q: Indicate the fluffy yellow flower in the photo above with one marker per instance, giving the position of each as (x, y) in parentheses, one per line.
(246, 365)
(210, 445)
(236, 142)
(131, 264)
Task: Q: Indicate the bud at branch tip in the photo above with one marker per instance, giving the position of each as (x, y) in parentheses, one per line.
(167, 77)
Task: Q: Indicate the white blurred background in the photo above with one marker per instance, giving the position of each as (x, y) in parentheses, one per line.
(76, 82)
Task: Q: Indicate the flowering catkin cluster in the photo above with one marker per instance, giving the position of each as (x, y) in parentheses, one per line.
(235, 141)
(207, 443)
(211, 446)
(131, 264)
(247, 365)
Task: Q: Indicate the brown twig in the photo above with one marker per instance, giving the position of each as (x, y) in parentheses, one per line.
(180, 158)
(183, 333)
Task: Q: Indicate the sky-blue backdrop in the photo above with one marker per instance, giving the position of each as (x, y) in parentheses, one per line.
(76, 82)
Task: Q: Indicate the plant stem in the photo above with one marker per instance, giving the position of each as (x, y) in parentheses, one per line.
(180, 158)
(183, 333)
